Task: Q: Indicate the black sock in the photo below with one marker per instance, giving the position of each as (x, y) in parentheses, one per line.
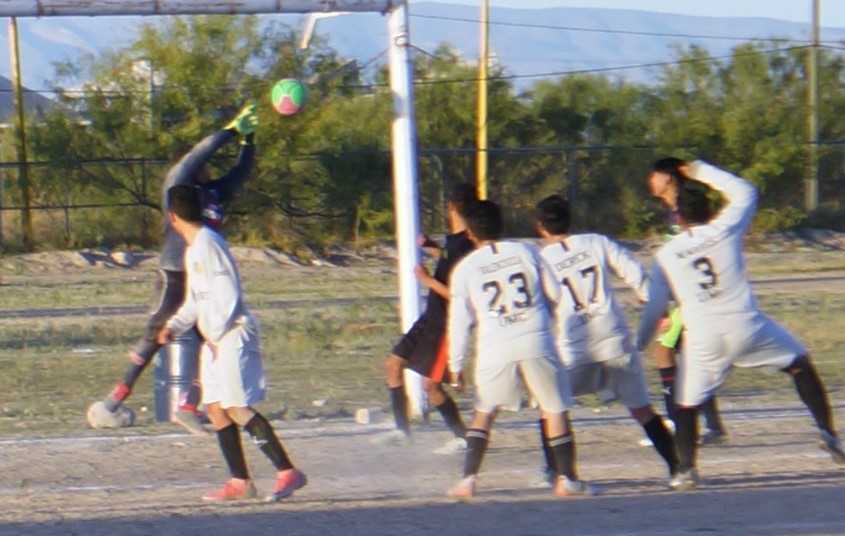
(477, 441)
(264, 436)
(563, 450)
(812, 392)
(663, 442)
(229, 439)
(667, 381)
(712, 419)
(551, 466)
(686, 437)
(452, 417)
(399, 404)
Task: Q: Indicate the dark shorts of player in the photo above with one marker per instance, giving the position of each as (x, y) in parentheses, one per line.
(425, 348)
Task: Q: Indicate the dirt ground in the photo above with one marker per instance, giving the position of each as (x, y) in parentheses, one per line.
(769, 479)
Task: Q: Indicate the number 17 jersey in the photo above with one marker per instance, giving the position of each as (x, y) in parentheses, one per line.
(591, 325)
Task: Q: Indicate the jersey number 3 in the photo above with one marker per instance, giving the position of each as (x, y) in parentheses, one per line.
(703, 265)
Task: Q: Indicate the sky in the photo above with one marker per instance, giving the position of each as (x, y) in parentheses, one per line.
(831, 12)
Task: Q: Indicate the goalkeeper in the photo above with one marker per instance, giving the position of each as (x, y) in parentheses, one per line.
(189, 166)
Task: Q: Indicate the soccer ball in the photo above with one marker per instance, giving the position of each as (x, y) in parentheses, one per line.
(100, 417)
(289, 96)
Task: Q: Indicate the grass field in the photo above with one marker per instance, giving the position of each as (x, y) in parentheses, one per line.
(325, 334)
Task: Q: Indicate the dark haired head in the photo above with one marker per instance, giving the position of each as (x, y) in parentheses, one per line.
(553, 214)
(484, 220)
(670, 166)
(463, 194)
(694, 206)
(185, 201)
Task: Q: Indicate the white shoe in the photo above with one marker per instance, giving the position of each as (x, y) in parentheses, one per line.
(830, 444)
(712, 437)
(573, 488)
(546, 479)
(684, 481)
(395, 438)
(456, 445)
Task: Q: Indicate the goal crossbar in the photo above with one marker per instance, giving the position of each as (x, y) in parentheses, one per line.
(92, 8)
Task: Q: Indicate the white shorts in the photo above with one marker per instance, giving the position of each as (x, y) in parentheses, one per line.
(748, 340)
(234, 377)
(544, 377)
(623, 376)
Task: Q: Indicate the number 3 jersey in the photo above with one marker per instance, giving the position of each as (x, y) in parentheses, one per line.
(506, 290)
(703, 267)
(591, 325)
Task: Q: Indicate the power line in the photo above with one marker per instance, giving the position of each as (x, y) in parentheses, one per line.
(616, 32)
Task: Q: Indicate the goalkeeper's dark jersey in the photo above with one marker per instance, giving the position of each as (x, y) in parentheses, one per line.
(214, 193)
(456, 247)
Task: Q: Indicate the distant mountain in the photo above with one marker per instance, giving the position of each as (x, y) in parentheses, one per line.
(529, 43)
(7, 100)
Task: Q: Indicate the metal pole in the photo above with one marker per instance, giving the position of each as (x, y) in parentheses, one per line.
(90, 8)
(811, 186)
(481, 119)
(405, 183)
(20, 131)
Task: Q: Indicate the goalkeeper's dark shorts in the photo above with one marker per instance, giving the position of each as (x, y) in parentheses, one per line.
(425, 348)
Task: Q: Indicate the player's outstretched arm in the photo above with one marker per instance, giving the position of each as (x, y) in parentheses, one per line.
(245, 124)
(623, 263)
(655, 307)
(740, 194)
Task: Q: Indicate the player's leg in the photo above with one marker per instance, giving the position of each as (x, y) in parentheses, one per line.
(478, 438)
(394, 369)
(626, 378)
(239, 485)
(664, 359)
(288, 478)
(548, 382)
(715, 432)
(812, 392)
(434, 371)
(170, 293)
(686, 437)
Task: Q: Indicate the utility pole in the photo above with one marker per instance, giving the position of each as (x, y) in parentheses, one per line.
(481, 119)
(811, 184)
(20, 131)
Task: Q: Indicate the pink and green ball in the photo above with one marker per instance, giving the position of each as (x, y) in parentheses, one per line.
(289, 96)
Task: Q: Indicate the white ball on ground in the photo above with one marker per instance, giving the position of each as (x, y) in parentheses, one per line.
(100, 417)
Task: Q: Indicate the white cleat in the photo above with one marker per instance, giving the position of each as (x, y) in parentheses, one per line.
(575, 488)
(830, 444)
(393, 438)
(684, 481)
(456, 445)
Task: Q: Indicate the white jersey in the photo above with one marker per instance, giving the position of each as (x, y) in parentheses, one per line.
(703, 268)
(591, 325)
(213, 300)
(504, 289)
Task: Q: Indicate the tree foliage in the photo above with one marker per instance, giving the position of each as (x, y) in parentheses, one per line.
(324, 175)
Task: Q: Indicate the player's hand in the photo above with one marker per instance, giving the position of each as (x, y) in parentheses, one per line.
(422, 275)
(429, 246)
(245, 122)
(165, 336)
(456, 380)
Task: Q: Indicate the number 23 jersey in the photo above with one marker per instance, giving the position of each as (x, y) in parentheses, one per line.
(504, 289)
(591, 325)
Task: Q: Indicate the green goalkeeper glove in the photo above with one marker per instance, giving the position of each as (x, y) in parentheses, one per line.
(245, 122)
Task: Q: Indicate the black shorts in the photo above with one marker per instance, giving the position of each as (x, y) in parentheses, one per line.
(425, 348)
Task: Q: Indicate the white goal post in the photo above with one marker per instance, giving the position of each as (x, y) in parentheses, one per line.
(403, 131)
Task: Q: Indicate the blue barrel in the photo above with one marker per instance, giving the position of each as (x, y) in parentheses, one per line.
(176, 367)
